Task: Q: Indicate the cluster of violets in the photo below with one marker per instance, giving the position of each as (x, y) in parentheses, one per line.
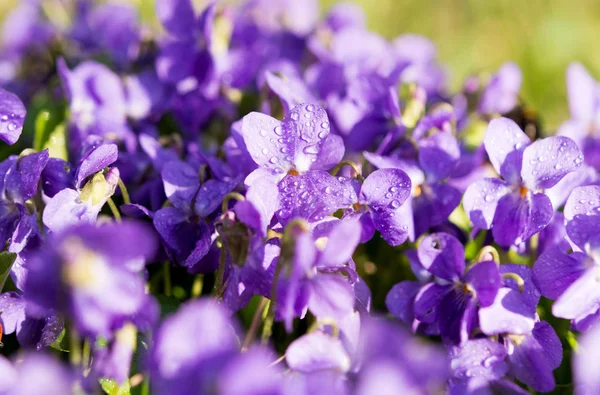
(263, 151)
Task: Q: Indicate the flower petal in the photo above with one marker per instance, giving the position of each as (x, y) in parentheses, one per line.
(12, 116)
(443, 255)
(505, 142)
(580, 298)
(547, 161)
(484, 278)
(481, 199)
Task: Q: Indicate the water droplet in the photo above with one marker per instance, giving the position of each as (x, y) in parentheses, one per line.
(265, 151)
(328, 190)
(388, 195)
(558, 166)
(323, 134)
(274, 160)
(12, 126)
(284, 150)
(325, 125)
(542, 158)
(295, 116)
(310, 108)
(307, 115)
(395, 204)
(393, 189)
(488, 198)
(311, 149)
(263, 132)
(582, 201)
(4, 117)
(278, 130)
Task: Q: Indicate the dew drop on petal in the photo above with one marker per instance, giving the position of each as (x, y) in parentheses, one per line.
(310, 108)
(263, 132)
(265, 151)
(558, 166)
(388, 195)
(311, 149)
(278, 130)
(295, 116)
(488, 198)
(274, 160)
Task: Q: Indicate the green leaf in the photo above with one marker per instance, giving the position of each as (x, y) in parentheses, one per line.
(6, 261)
(57, 143)
(60, 343)
(112, 388)
(42, 130)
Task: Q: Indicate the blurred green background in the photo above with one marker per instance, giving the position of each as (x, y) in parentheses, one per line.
(542, 36)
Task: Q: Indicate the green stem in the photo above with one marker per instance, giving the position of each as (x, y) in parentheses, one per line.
(231, 195)
(353, 165)
(167, 278)
(220, 270)
(256, 319)
(114, 209)
(124, 192)
(74, 347)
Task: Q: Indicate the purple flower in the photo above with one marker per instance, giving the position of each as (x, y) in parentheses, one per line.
(454, 299)
(311, 278)
(584, 374)
(83, 203)
(502, 92)
(92, 274)
(186, 236)
(515, 207)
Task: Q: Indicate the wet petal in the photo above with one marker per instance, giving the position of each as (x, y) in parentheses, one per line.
(443, 255)
(400, 300)
(12, 116)
(555, 271)
(481, 199)
(484, 278)
(583, 201)
(438, 155)
(427, 300)
(582, 297)
(505, 142)
(547, 161)
(96, 160)
(509, 313)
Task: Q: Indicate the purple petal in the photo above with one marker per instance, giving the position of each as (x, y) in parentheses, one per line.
(555, 271)
(341, 243)
(21, 183)
(484, 278)
(400, 300)
(502, 93)
(12, 311)
(331, 153)
(518, 218)
(548, 339)
(291, 90)
(531, 294)
(261, 135)
(442, 255)
(181, 182)
(434, 205)
(262, 201)
(547, 161)
(509, 313)
(581, 91)
(317, 351)
(56, 176)
(583, 201)
(481, 199)
(312, 196)
(96, 160)
(385, 190)
(427, 300)
(12, 116)
(331, 295)
(582, 228)
(210, 196)
(529, 360)
(438, 155)
(585, 363)
(505, 142)
(479, 358)
(582, 297)
(177, 16)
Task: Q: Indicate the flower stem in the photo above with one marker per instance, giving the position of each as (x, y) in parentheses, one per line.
(124, 192)
(74, 347)
(114, 209)
(167, 278)
(256, 319)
